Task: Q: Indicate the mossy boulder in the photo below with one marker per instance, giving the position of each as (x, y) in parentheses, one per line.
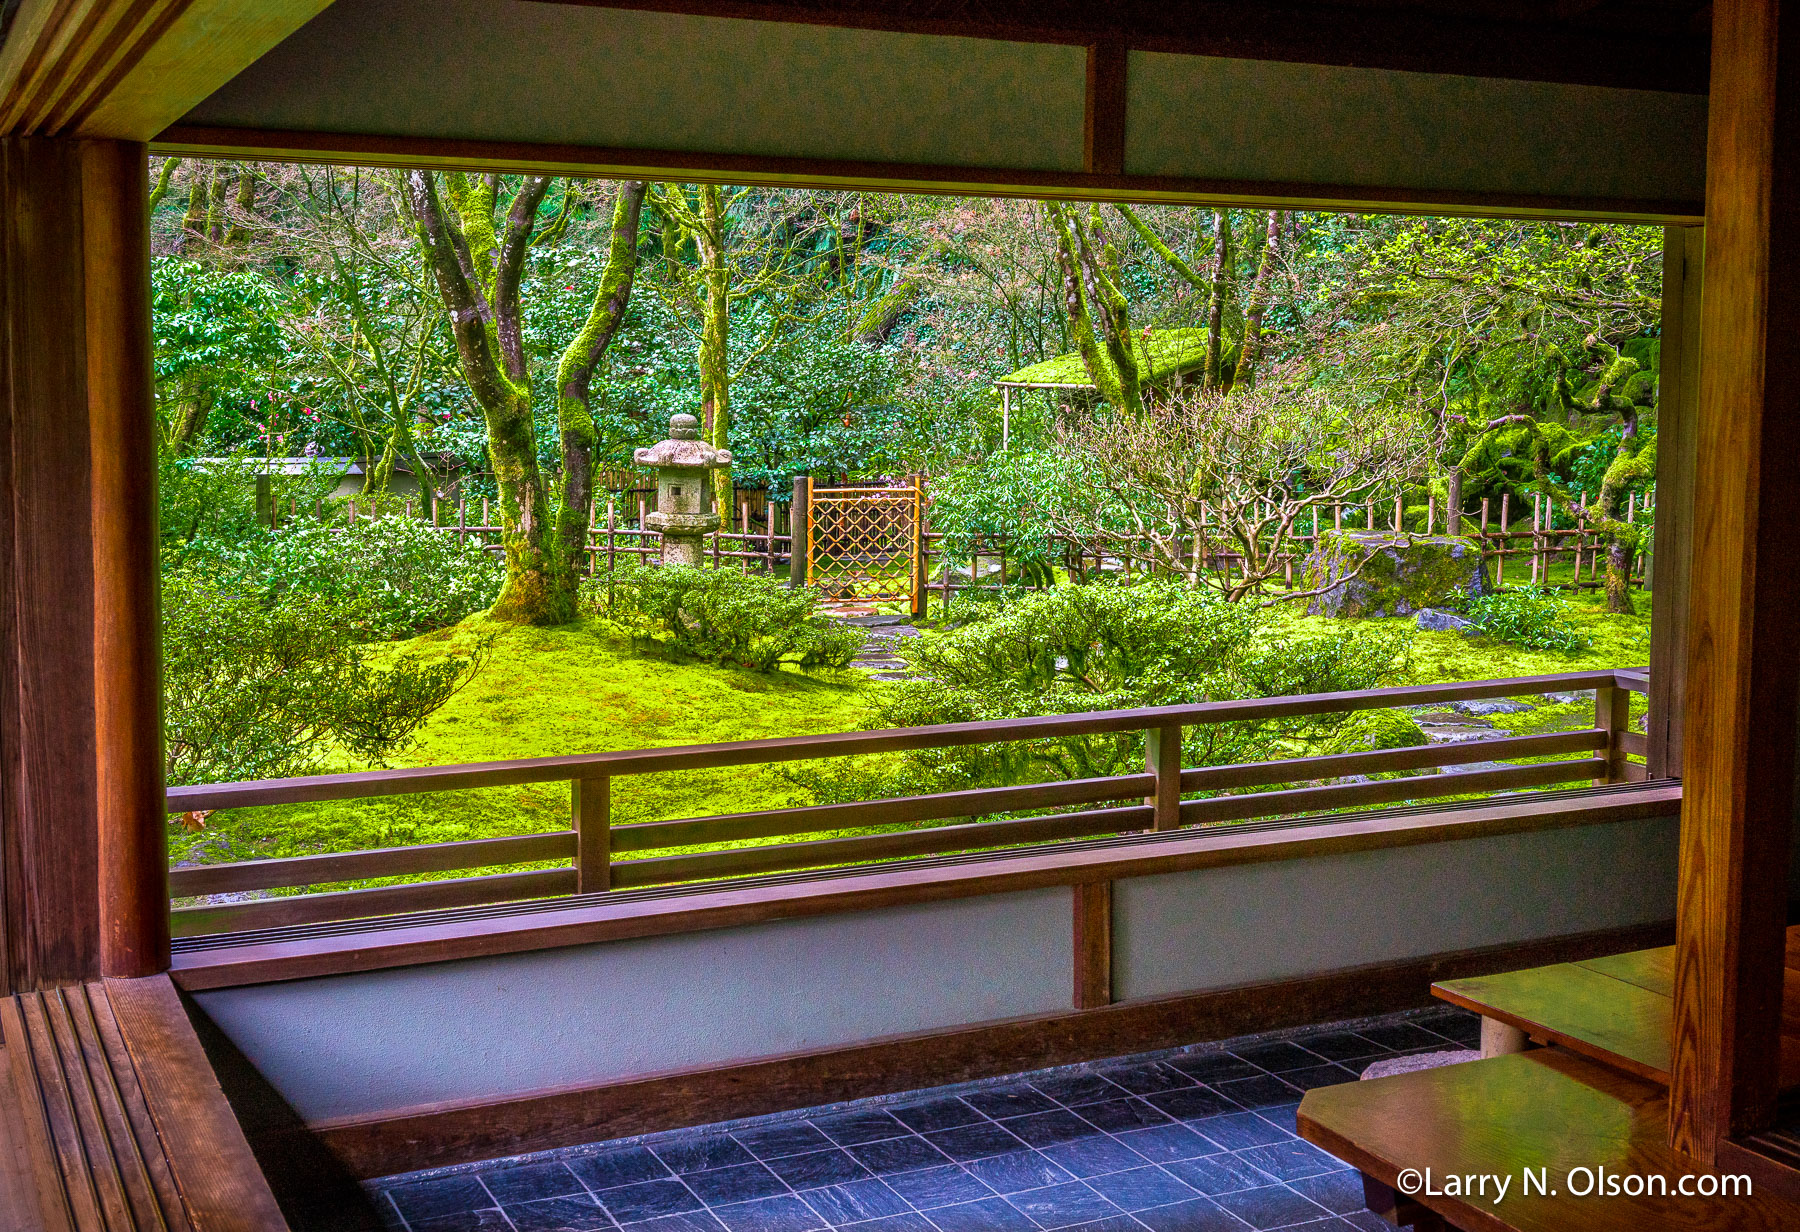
(1399, 574)
(1367, 731)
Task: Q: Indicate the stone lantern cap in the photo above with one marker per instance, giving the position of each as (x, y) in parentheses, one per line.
(684, 450)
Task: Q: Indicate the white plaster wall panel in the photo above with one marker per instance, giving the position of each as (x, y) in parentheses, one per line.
(1225, 927)
(1215, 118)
(492, 1028)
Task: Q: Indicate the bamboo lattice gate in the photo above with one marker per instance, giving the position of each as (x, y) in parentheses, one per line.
(865, 544)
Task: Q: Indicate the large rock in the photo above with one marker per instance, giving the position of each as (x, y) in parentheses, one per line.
(1400, 574)
(1433, 621)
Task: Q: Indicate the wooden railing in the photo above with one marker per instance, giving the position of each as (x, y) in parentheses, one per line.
(1151, 800)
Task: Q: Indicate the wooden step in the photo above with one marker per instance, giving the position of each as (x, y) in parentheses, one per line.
(112, 1121)
(1616, 1009)
(1548, 1110)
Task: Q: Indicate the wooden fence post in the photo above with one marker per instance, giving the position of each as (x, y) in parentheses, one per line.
(920, 575)
(612, 528)
(1162, 757)
(799, 516)
(591, 809)
(1612, 714)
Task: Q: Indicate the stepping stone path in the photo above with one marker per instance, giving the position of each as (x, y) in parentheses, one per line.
(879, 656)
(1466, 721)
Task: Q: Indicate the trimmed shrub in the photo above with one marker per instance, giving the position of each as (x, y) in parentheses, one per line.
(254, 688)
(724, 617)
(1085, 648)
(394, 577)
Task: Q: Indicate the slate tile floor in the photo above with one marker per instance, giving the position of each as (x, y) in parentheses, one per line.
(1190, 1140)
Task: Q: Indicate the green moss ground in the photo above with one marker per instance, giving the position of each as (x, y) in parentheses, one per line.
(1617, 641)
(544, 693)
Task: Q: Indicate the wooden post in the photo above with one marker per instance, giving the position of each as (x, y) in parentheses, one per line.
(1337, 518)
(612, 535)
(591, 817)
(1398, 515)
(1537, 523)
(1093, 944)
(462, 518)
(83, 889)
(1612, 714)
(1430, 511)
(133, 845)
(799, 530)
(918, 548)
(1743, 652)
(1162, 757)
(486, 522)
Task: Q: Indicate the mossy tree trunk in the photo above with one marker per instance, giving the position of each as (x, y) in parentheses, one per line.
(1099, 316)
(1244, 374)
(477, 268)
(1220, 292)
(1623, 539)
(475, 249)
(574, 395)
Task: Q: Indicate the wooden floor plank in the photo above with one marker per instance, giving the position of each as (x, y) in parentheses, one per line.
(221, 1185)
(31, 1186)
(59, 1114)
(103, 1163)
(1546, 1109)
(143, 1128)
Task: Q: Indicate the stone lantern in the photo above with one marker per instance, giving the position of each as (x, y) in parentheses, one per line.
(684, 506)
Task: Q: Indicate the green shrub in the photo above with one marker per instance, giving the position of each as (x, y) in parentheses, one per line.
(260, 686)
(1528, 616)
(394, 577)
(724, 617)
(1085, 648)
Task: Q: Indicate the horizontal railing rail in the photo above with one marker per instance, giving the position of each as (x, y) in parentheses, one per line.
(937, 824)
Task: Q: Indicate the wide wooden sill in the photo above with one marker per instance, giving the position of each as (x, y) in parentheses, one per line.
(401, 941)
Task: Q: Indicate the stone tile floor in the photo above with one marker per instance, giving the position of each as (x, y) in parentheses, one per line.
(1198, 1139)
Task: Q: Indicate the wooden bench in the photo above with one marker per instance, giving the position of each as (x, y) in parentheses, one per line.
(111, 1119)
(1616, 1010)
(1548, 1110)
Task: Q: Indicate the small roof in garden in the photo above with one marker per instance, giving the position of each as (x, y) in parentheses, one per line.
(1164, 354)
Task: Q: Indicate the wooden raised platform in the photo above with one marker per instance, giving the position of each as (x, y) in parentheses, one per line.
(1616, 1010)
(111, 1119)
(1545, 1110)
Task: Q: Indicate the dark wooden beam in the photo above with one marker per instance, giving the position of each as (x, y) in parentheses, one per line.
(48, 840)
(82, 861)
(1103, 122)
(386, 150)
(1526, 44)
(1093, 943)
(1684, 254)
(1744, 623)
